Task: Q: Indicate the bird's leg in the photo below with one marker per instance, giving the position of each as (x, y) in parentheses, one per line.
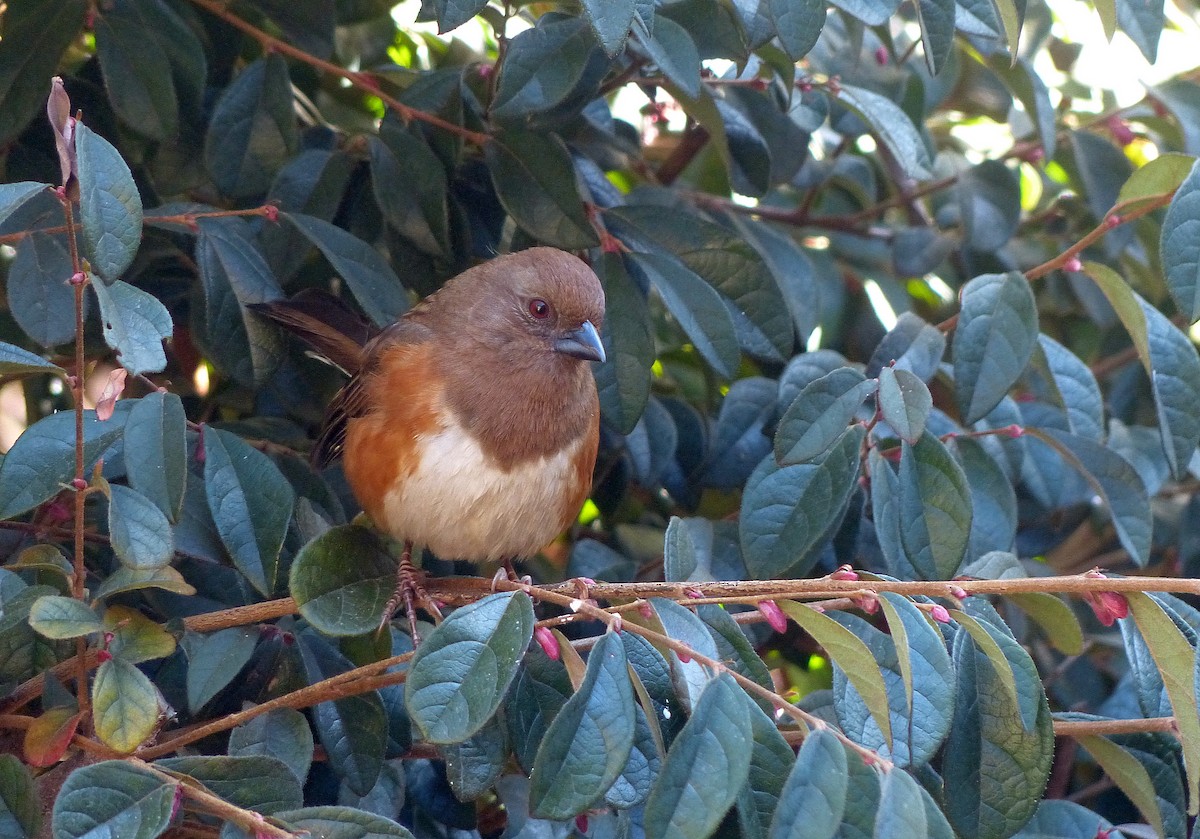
(411, 593)
(507, 571)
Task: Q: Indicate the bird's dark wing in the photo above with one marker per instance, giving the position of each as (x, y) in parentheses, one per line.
(325, 323)
(357, 398)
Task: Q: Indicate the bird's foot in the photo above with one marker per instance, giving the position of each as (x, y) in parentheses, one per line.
(411, 594)
(509, 573)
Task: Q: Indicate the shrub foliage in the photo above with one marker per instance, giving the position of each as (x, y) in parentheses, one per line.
(891, 527)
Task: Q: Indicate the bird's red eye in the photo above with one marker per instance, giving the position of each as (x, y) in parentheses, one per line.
(539, 308)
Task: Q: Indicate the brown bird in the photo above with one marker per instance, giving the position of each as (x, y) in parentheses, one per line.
(470, 425)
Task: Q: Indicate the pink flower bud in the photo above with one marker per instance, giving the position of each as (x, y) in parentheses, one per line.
(547, 642)
(774, 615)
(939, 613)
(103, 656)
(1073, 265)
(79, 483)
(959, 592)
(1114, 220)
(581, 823)
(683, 657)
(1014, 431)
(844, 572)
(881, 56)
(78, 278)
(271, 213)
(646, 610)
(1109, 606)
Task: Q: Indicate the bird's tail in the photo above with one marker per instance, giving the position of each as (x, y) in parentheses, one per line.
(335, 331)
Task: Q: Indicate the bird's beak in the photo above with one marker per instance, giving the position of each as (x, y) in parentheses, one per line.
(583, 342)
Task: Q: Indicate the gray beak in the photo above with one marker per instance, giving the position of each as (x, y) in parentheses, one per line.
(583, 342)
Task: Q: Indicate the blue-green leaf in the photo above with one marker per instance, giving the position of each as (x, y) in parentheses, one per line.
(251, 504)
(110, 208)
(283, 734)
(1075, 387)
(156, 457)
(935, 510)
(771, 762)
(813, 800)
(113, 798)
(463, 669)
(819, 414)
(905, 403)
(890, 126)
(20, 810)
(54, 616)
(788, 511)
(1180, 246)
(610, 20)
(139, 530)
(214, 661)
(588, 743)
(997, 331)
(901, 807)
(254, 782)
(135, 325)
(623, 379)
(40, 300)
(339, 597)
(705, 767)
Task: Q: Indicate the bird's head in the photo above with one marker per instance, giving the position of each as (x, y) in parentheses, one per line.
(538, 303)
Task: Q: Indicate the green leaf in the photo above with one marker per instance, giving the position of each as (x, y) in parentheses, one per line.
(1143, 23)
(141, 535)
(62, 617)
(372, 281)
(15, 361)
(1170, 359)
(156, 454)
(235, 274)
(133, 579)
(623, 379)
(1179, 247)
(340, 597)
(901, 807)
(42, 460)
(342, 822)
(819, 414)
(410, 186)
(787, 512)
(696, 306)
(126, 706)
(1175, 658)
(905, 403)
(252, 782)
(852, 655)
(735, 649)
(1058, 817)
(673, 50)
(137, 72)
(682, 624)
(542, 67)
(1057, 620)
(110, 208)
(995, 765)
(251, 504)
(253, 129)
(988, 645)
(997, 331)
(890, 126)
(354, 729)
(935, 508)
(1073, 386)
(588, 743)
(135, 637)
(20, 814)
(936, 19)
(36, 34)
(474, 765)
(813, 800)
(1011, 18)
(41, 303)
(214, 661)
(535, 181)
(1029, 88)
(1153, 181)
(135, 325)
(1180, 96)
(113, 798)
(454, 13)
(1129, 775)
(610, 20)
(1115, 481)
(798, 23)
(463, 669)
(705, 767)
(283, 734)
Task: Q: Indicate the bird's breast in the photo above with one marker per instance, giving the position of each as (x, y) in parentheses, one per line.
(447, 494)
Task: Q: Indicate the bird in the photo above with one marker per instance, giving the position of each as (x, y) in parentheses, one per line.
(470, 425)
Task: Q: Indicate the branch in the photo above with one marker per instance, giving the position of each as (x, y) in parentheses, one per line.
(363, 81)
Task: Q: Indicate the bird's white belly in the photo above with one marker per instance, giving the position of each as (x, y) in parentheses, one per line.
(461, 505)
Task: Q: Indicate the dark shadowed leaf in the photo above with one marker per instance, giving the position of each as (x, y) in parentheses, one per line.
(1180, 249)
(283, 734)
(39, 295)
(542, 67)
(673, 50)
(798, 24)
(771, 762)
(410, 186)
(36, 34)
(20, 814)
(819, 414)
(936, 18)
(136, 71)
(214, 661)
(342, 822)
(935, 508)
(989, 199)
(623, 380)
(610, 20)
(535, 181)
(253, 129)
